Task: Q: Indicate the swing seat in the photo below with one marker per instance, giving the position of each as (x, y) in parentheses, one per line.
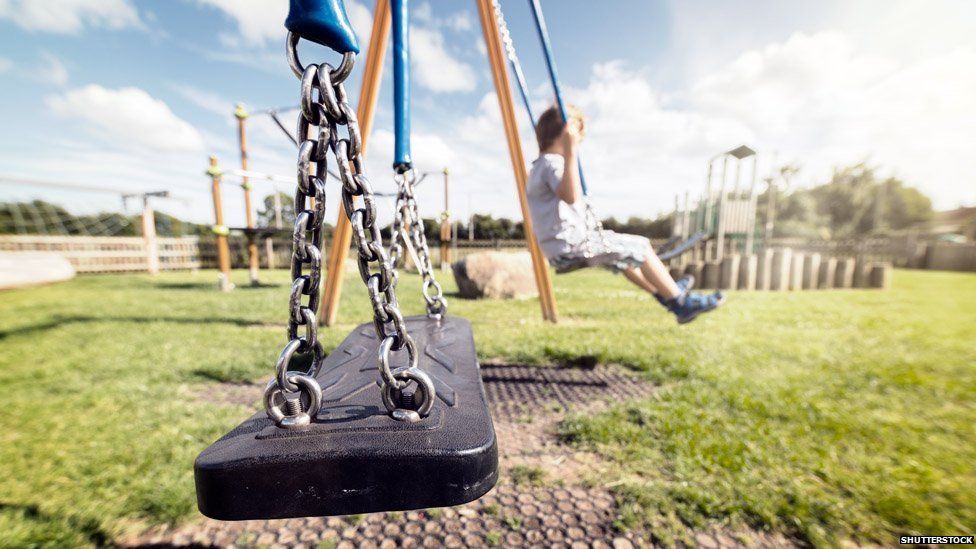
(354, 458)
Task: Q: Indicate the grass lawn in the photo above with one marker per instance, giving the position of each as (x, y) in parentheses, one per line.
(826, 415)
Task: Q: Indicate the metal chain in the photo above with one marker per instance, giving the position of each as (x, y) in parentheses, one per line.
(407, 213)
(325, 106)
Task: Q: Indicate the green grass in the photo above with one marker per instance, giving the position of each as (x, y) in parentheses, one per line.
(828, 415)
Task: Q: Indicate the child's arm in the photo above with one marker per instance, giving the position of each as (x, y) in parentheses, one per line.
(569, 190)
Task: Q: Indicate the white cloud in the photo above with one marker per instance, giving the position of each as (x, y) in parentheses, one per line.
(206, 100)
(258, 21)
(5, 64)
(361, 19)
(460, 21)
(70, 16)
(52, 70)
(436, 68)
(818, 98)
(815, 99)
(128, 117)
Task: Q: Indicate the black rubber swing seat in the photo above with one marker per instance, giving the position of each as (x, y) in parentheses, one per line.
(354, 458)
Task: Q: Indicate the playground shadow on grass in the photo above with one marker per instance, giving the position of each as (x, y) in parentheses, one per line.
(211, 286)
(57, 322)
(54, 525)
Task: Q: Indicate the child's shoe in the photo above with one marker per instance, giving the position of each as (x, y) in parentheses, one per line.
(687, 307)
(684, 284)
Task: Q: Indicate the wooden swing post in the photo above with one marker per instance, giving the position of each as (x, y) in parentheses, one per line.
(252, 247)
(220, 230)
(503, 89)
(368, 95)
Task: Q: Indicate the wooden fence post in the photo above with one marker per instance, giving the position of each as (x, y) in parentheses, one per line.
(149, 236)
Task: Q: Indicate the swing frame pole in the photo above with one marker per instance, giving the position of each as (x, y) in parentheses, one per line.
(220, 230)
(503, 89)
(366, 108)
(240, 113)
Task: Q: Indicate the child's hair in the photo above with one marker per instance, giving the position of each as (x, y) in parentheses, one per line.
(550, 125)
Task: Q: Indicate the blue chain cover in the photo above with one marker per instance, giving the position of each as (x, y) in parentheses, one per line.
(401, 83)
(324, 22)
(354, 458)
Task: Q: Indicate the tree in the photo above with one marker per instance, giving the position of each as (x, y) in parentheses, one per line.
(266, 215)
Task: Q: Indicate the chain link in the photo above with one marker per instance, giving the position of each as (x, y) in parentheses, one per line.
(408, 214)
(325, 107)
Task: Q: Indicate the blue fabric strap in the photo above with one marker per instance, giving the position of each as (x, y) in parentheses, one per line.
(324, 22)
(540, 27)
(401, 84)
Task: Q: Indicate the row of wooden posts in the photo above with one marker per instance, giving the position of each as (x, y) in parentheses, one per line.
(783, 269)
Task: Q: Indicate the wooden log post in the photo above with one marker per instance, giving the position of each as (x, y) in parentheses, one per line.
(796, 272)
(368, 95)
(240, 113)
(503, 90)
(729, 272)
(780, 270)
(711, 274)
(862, 273)
(811, 271)
(747, 272)
(828, 272)
(764, 269)
(219, 229)
(844, 276)
(880, 277)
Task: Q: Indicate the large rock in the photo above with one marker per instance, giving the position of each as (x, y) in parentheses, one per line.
(495, 275)
(20, 269)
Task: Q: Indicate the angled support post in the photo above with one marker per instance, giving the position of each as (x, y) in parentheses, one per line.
(503, 89)
(368, 94)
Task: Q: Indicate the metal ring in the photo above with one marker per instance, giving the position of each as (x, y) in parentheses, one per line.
(281, 365)
(338, 75)
(304, 384)
(386, 346)
(424, 385)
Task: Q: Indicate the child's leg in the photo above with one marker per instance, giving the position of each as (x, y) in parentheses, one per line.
(634, 275)
(658, 276)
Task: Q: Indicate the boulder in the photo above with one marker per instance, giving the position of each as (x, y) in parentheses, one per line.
(495, 275)
(21, 269)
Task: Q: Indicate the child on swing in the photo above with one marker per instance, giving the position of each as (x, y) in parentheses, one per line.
(558, 216)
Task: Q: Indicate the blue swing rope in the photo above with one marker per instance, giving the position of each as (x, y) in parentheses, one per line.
(402, 160)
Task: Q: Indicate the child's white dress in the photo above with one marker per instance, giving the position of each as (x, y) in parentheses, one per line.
(561, 228)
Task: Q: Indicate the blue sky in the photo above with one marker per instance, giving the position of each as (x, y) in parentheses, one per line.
(135, 94)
